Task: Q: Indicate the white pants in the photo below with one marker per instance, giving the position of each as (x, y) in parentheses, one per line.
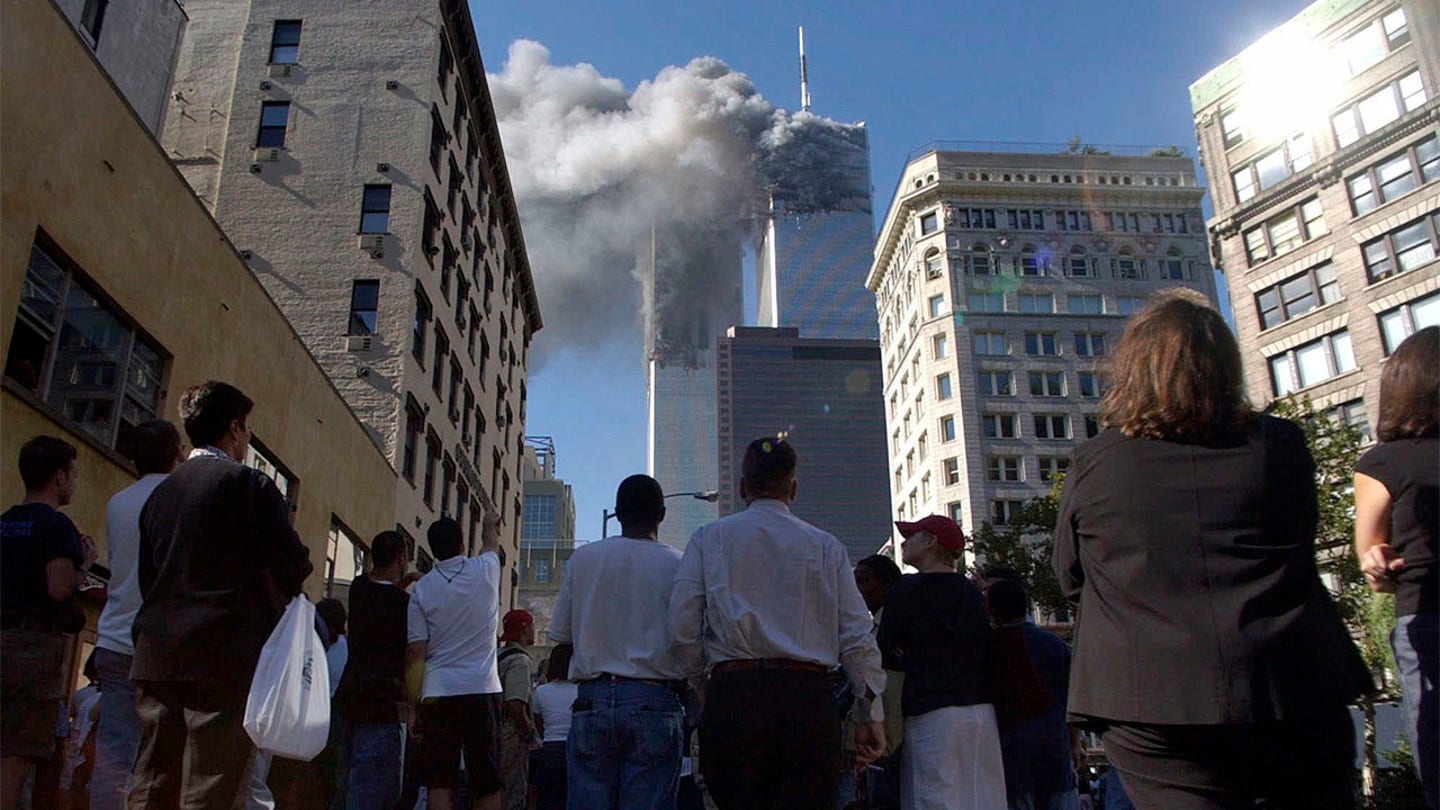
(951, 760)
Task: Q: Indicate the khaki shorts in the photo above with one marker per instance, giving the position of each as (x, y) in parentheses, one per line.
(32, 688)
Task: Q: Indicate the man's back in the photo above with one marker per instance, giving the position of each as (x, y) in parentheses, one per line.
(373, 684)
(122, 542)
(455, 609)
(218, 560)
(613, 608)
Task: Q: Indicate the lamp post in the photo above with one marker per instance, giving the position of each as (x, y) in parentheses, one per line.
(710, 495)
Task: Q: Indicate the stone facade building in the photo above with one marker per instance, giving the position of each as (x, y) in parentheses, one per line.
(1322, 142)
(1001, 280)
(352, 155)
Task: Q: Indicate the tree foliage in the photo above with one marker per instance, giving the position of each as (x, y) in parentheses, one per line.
(1025, 543)
(1075, 146)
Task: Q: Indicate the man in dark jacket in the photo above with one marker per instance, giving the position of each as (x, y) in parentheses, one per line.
(218, 561)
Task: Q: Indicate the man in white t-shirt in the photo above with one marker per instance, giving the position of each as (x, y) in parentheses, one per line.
(450, 666)
(627, 727)
(155, 449)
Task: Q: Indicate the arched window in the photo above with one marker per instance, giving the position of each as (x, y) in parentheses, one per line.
(934, 264)
(980, 261)
(1126, 265)
(1079, 263)
(1030, 264)
(1174, 265)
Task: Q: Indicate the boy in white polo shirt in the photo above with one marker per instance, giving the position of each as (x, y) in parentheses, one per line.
(450, 665)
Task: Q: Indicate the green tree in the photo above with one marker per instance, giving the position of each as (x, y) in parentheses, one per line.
(1075, 146)
(1166, 151)
(1336, 445)
(1025, 543)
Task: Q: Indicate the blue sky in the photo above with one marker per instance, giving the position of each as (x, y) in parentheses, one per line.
(1111, 71)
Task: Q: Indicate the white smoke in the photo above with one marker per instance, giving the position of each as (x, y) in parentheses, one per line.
(598, 168)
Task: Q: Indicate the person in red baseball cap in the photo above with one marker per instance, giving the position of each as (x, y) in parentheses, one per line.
(935, 629)
(517, 730)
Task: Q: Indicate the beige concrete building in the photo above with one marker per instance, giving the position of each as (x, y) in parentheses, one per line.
(351, 153)
(1320, 141)
(118, 290)
(136, 43)
(1001, 280)
(547, 535)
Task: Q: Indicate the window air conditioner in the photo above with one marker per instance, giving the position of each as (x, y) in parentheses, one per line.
(373, 243)
(281, 71)
(359, 343)
(267, 154)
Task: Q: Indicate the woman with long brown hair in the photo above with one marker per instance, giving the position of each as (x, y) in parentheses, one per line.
(1207, 652)
(1397, 508)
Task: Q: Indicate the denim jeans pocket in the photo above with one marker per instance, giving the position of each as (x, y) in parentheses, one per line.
(657, 734)
(589, 730)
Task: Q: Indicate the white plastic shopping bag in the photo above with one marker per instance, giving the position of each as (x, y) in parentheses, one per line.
(288, 712)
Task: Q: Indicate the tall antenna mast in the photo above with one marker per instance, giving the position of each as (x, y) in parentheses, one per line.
(804, 75)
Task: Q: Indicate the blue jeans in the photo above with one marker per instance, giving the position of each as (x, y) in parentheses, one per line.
(1060, 800)
(1416, 644)
(117, 732)
(375, 766)
(624, 747)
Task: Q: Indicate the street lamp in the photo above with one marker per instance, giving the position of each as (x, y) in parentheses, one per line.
(710, 495)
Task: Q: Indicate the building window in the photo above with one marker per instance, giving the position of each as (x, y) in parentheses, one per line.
(1272, 167)
(1374, 42)
(1394, 176)
(1297, 295)
(929, 223)
(1092, 426)
(1173, 268)
(344, 558)
(1127, 266)
(1285, 231)
(1090, 385)
(1084, 304)
(449, 259)
(957, 512)
(375, 209)
(923, 445)
(432, 460)
(430, 228)
(1090, 344)
(1407, 319)
(1052, 426)
(453, 399)
(942, 387)
(80, 355)
(1311, 364)
(1072, 220)
(989, 343)
(1129, 304)
(274, 115)
(1353, 413)
(952, 471)
(1039, 303)
(1047, 384)
(1078, 264)
(1051, 466)
(1040, 344)
(937, 306)
(447, 483)
(92, 18)
(985, 302)
(1003, 468)
(1376, 110)
(995, 383)
(1122, 222)
(1232, 127)
(442, 351)
(438, 136)
(1002, 512)
(947, 428)
(447, 64)
(940, 344)
(998, 426)
(423, 314)
(1025, 219)
(934, 264)
(981, 264)
(1030, 263)
(414, 424)
(285, 42)
(1404, 248)
(364, 303)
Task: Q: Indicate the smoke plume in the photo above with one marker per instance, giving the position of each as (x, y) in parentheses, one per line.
(598, 170)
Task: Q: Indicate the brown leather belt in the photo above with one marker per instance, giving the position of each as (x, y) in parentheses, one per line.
(754, 664)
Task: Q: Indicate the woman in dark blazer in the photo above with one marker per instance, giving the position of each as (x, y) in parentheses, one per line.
(1207, 651)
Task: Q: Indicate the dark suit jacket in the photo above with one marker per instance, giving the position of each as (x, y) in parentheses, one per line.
(218, 562)
(1194, 570)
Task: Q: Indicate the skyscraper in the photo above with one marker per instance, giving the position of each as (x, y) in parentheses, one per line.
(1323, 150)
(824, 396)
(692, 295)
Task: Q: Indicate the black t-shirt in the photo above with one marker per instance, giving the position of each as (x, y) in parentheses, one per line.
(374, 679)
(936, 631)
(31, 535)
(1410, 470)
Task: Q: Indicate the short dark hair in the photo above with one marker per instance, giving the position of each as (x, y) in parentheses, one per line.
(881, 568)
(1007, 600)
(639, 499)
(43, 456)
(1410, 388)
(446, 539)
(999, 572)
(768, 466)
(207, 410)
(333, 612)
(558, 667)
(154, 445)
(387, 547)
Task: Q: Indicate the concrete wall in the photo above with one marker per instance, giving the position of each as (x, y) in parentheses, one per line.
(138, 43)
(83, 169)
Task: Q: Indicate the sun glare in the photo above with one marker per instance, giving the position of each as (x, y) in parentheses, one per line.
(1290, 83)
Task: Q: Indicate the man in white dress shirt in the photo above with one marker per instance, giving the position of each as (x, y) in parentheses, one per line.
(774, 603)
(627, 724)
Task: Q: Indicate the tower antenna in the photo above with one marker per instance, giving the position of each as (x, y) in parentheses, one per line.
(804, 75)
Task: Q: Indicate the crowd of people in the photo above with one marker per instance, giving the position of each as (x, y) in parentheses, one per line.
(757, 669)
